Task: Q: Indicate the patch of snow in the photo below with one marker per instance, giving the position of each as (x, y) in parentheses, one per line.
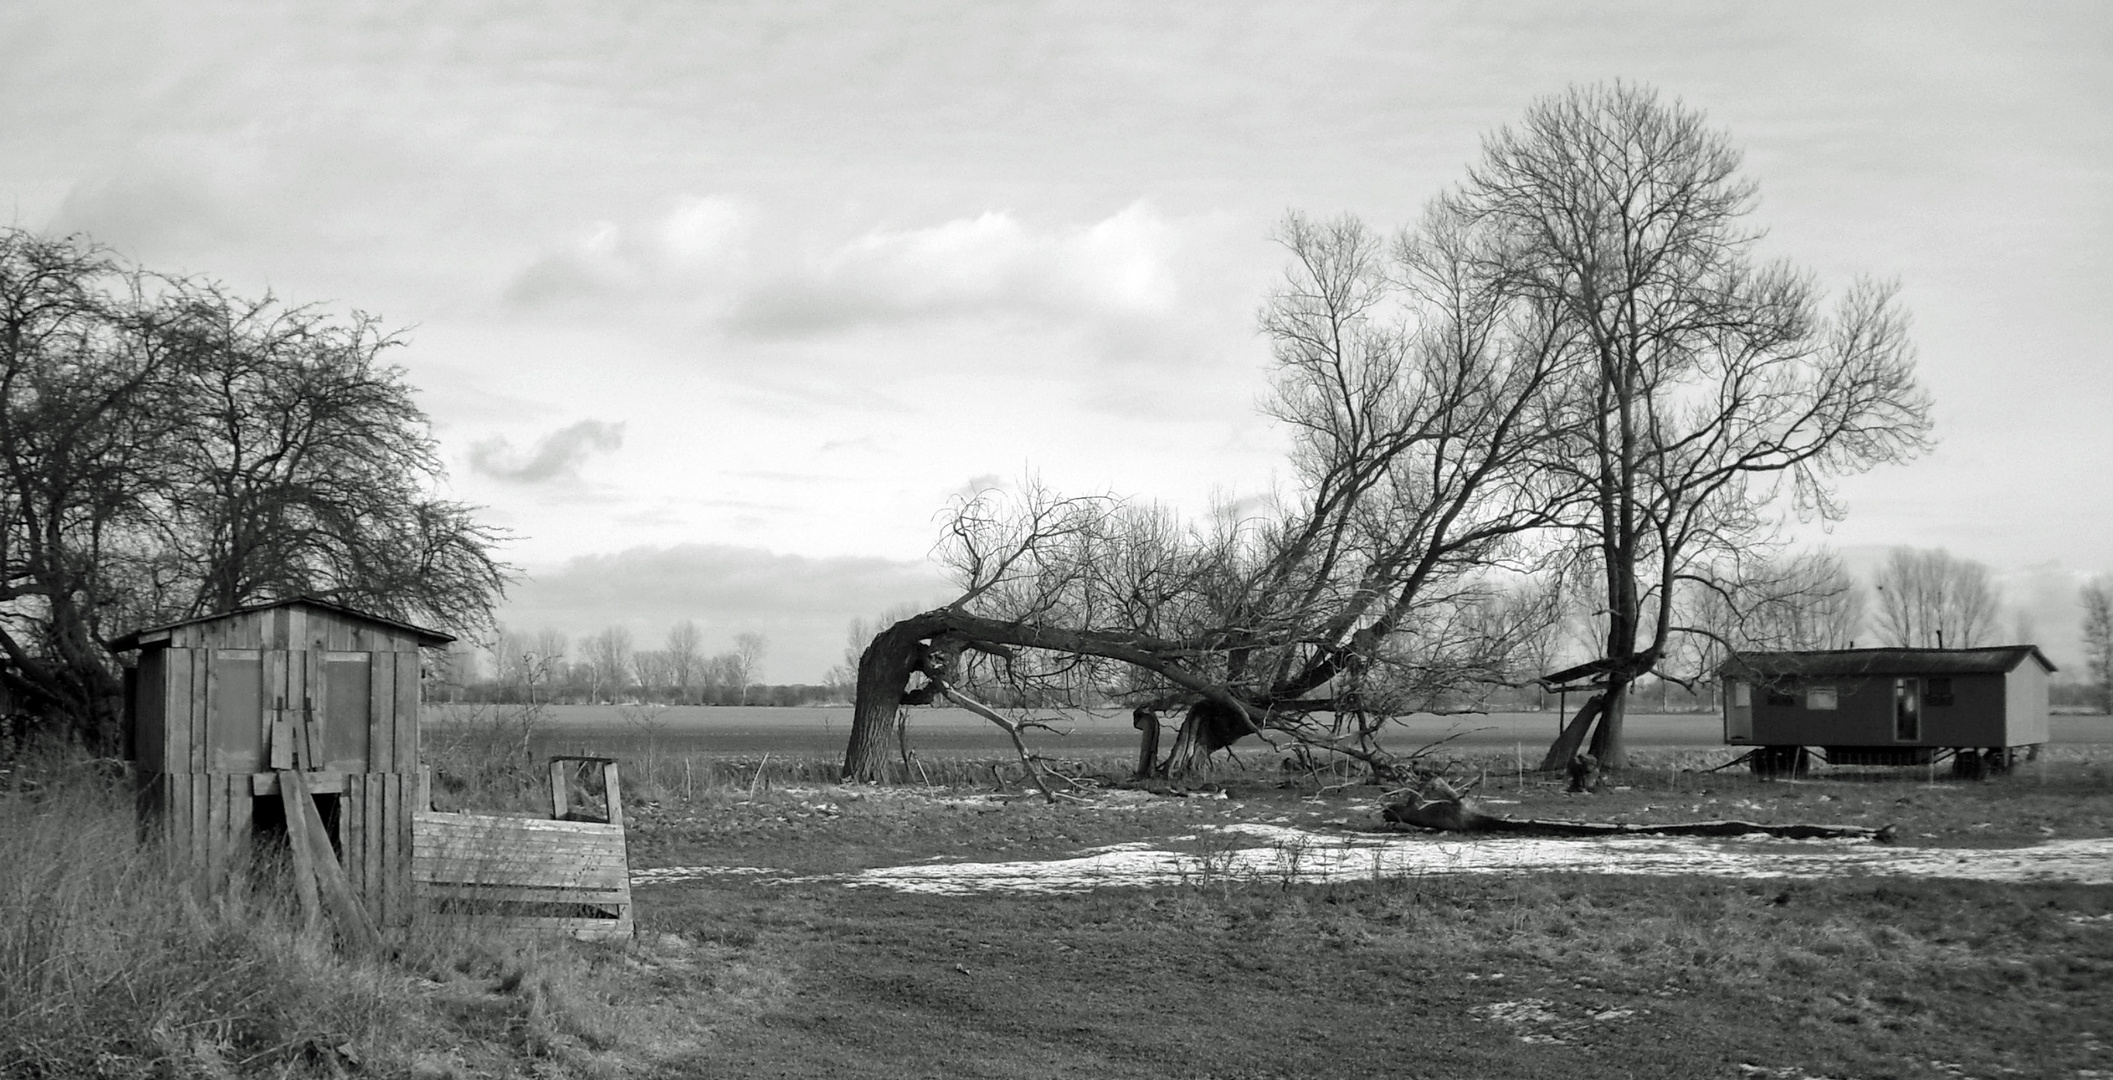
(1295, 856)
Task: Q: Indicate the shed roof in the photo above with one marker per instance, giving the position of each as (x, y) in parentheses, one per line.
(1993, 660)
(144, 636)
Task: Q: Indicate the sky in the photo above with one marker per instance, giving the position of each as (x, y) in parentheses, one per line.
(715, 305)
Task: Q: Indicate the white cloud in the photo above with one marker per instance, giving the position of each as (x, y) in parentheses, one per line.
(990, 264)
(694, 251)
(712, 256)
(556, 456)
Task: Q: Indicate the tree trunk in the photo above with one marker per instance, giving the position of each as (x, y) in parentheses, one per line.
(1609, 744)
(883, 670)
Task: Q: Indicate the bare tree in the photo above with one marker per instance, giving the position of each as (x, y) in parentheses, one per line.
(650, 669)
(167, 450)
(305, 470)
(609, 662)
(723, 680)
(1703, 386)
(2098, 637)
(685, 651)
(1803, 601)
(1930, 599)
(749, 649)
(1415, 391)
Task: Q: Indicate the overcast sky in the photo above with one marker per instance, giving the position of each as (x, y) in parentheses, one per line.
(714, 304)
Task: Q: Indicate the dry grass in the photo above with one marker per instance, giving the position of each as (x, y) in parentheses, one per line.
(111, 965)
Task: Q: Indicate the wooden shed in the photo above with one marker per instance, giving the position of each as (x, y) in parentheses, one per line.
(1887, 706)
(221, 707)
(303, 714)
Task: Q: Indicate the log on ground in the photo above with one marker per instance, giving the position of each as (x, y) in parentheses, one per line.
(1453, 815)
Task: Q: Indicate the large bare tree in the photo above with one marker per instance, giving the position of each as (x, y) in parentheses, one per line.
(1706, 388)
(1932, 599)
(2098, 638)
(1415, 390)
(167, 449)
(685, 649)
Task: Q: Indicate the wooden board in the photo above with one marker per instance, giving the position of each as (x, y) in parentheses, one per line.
(381, 712)
(176, 713)
(405, 713)
(586, 929)
(482, 859)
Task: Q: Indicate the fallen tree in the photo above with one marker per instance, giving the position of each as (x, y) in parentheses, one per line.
(1374, 586)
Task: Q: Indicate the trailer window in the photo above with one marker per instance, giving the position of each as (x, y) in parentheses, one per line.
(1782, 695)
(1937, 692)
(1820, 697)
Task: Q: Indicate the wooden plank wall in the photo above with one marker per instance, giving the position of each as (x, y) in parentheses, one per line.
(375, 833)
(204, 820)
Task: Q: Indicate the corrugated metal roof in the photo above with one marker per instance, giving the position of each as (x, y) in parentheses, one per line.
(425, 636)
(1993, 660)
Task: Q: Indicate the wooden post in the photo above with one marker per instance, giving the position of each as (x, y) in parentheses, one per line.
(560, 782)
(614, 798)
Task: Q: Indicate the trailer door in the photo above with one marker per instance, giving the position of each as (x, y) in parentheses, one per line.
(1907, 710)
(1738, 712)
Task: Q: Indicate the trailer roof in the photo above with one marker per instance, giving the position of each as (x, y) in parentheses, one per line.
(1993, 660)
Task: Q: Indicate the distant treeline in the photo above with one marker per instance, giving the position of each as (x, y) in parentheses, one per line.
(582, 693)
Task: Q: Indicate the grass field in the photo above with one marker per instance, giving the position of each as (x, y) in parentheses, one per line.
(1550, 975)
(784, 969)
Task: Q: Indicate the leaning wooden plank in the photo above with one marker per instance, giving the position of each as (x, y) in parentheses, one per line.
(352, 922)
(304, 872)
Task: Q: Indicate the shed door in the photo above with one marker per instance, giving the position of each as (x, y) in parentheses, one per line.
(1907, 710)
(235, 711)
(347, 707)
